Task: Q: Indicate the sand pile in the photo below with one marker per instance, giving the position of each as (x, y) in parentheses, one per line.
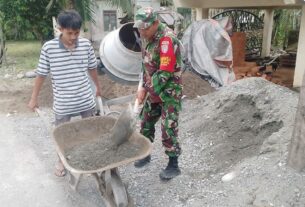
(245, 130)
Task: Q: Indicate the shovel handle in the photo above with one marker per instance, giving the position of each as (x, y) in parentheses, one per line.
(136, 108)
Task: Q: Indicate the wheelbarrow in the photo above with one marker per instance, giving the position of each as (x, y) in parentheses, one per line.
(81, 132)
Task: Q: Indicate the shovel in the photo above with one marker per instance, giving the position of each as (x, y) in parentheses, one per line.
(124, 127)
(126, 124)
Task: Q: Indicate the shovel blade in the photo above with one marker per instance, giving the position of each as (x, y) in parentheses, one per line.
(123, 127)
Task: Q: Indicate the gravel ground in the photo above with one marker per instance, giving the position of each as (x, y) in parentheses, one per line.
(244, 129)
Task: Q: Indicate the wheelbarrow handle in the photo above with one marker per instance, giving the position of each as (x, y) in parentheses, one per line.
(100, 104)
(138, 108)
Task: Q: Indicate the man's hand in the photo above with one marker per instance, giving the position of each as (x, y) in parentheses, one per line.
(141, 93)
(34, 98)
(33, 104)
(94, 76)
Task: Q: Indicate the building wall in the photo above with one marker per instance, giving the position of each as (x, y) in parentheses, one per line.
(96, 31)
(151, 3)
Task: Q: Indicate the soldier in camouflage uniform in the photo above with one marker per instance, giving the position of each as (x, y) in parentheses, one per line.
(161, 86)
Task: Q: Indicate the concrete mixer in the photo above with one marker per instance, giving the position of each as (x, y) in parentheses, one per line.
(120, 50)
(120, 54)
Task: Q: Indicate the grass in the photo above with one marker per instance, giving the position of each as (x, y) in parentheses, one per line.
(22, 56)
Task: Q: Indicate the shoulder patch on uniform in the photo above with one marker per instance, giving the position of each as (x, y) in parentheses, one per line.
(164, 46)
(167, 55)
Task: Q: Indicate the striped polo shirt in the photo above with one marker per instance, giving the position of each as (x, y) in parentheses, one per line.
(69, 73)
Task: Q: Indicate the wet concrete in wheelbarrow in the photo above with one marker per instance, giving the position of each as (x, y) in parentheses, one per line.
(99, 153)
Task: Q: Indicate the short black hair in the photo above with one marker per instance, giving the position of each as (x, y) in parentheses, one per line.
(69, 19)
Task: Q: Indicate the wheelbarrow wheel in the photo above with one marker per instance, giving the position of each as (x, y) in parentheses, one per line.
(113, 190)
(130, 201)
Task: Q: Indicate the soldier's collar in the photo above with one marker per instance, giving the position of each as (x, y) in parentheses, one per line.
(159, 32)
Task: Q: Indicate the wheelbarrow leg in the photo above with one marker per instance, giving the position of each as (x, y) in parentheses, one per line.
(74, 180)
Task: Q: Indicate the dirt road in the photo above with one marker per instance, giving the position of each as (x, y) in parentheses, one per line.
(27, 157)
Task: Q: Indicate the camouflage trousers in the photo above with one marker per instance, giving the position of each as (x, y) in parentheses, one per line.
(169, 114)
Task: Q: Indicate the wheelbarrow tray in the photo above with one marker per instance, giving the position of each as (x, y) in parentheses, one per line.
(82, 131)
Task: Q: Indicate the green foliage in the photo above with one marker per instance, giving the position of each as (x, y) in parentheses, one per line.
(166, 3)
(84, 7)
(27, 18)
(285, 20)
(2, 42)
(187, 15)
(23, 55)
(126, 5)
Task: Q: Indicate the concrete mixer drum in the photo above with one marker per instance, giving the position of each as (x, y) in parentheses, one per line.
(120, 54)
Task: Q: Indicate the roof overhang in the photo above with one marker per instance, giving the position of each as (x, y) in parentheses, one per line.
(238, 3)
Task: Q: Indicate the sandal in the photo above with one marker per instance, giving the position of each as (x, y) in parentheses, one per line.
(60, 170)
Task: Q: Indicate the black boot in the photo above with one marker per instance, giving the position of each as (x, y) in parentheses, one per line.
(172, 170)
(142, 162)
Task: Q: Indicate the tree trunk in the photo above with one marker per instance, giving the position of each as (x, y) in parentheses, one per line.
(38, 35)
(296, 156)
(2, 47)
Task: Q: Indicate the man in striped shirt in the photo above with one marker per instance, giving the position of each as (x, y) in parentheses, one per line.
(70, 61)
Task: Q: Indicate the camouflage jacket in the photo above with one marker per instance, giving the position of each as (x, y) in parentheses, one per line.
(162, 67)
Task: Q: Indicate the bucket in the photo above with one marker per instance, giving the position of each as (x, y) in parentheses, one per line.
(120, 53)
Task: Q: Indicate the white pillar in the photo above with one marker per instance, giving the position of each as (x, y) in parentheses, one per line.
(300, 66)
(202, 13)
(267, 35)
(155, 4)
(193, 14)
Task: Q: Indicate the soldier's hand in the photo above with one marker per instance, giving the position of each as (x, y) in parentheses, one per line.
(148, 81)
(141, 93)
